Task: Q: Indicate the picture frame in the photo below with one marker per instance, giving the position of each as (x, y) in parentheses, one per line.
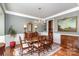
(67, 24)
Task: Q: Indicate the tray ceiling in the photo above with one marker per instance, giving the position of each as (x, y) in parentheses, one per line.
(47, 9)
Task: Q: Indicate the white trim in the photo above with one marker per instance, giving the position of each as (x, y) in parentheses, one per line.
(65, 12)
(47, 27)
(33, 17)
(54, 51)
(20, 14)
(3, 5)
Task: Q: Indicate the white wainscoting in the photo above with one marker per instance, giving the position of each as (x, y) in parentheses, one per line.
(2, 39)
(57, 38)
(43, 33)
(7, 38)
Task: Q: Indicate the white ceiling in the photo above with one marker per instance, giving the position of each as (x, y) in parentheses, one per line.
(47, 10)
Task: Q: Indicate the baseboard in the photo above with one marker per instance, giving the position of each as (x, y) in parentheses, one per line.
(54, 51)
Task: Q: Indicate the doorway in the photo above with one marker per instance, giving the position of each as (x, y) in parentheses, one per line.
(50, 29)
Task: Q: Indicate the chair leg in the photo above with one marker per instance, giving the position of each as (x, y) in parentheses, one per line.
(38, 53)
(21, 52)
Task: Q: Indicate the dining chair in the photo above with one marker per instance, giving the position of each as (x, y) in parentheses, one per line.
(44, 42)
(25, 47)
(38, 46)
(48, 43)
(2, 49)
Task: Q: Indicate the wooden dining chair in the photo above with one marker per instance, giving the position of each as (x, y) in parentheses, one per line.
(2, 50)
(50, 43)
(38, 46)
(25, 47)
(47, 43)
(44, 42)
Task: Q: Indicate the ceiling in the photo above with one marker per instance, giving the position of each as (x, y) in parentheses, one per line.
(47, 9)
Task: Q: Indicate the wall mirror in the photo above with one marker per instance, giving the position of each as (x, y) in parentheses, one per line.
(29, 27)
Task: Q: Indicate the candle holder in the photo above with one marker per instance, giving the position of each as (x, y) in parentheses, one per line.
(35, 28)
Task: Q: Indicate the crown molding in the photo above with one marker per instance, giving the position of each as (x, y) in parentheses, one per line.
(37, 18)
(18, 14)
(62, 13)
(21, 15)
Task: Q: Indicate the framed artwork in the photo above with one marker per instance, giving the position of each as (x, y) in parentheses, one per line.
(67, 24)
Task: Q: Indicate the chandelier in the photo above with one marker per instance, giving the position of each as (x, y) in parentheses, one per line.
(41, 19)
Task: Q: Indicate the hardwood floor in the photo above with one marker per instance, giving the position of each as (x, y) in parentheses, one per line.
(63, 52)
(9, 52)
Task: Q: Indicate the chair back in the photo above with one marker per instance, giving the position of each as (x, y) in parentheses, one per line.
(20, 40)
(2, 49)
(25, 35)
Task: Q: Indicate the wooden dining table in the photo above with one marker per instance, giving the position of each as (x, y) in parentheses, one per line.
(37, 38)
(38, 42)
